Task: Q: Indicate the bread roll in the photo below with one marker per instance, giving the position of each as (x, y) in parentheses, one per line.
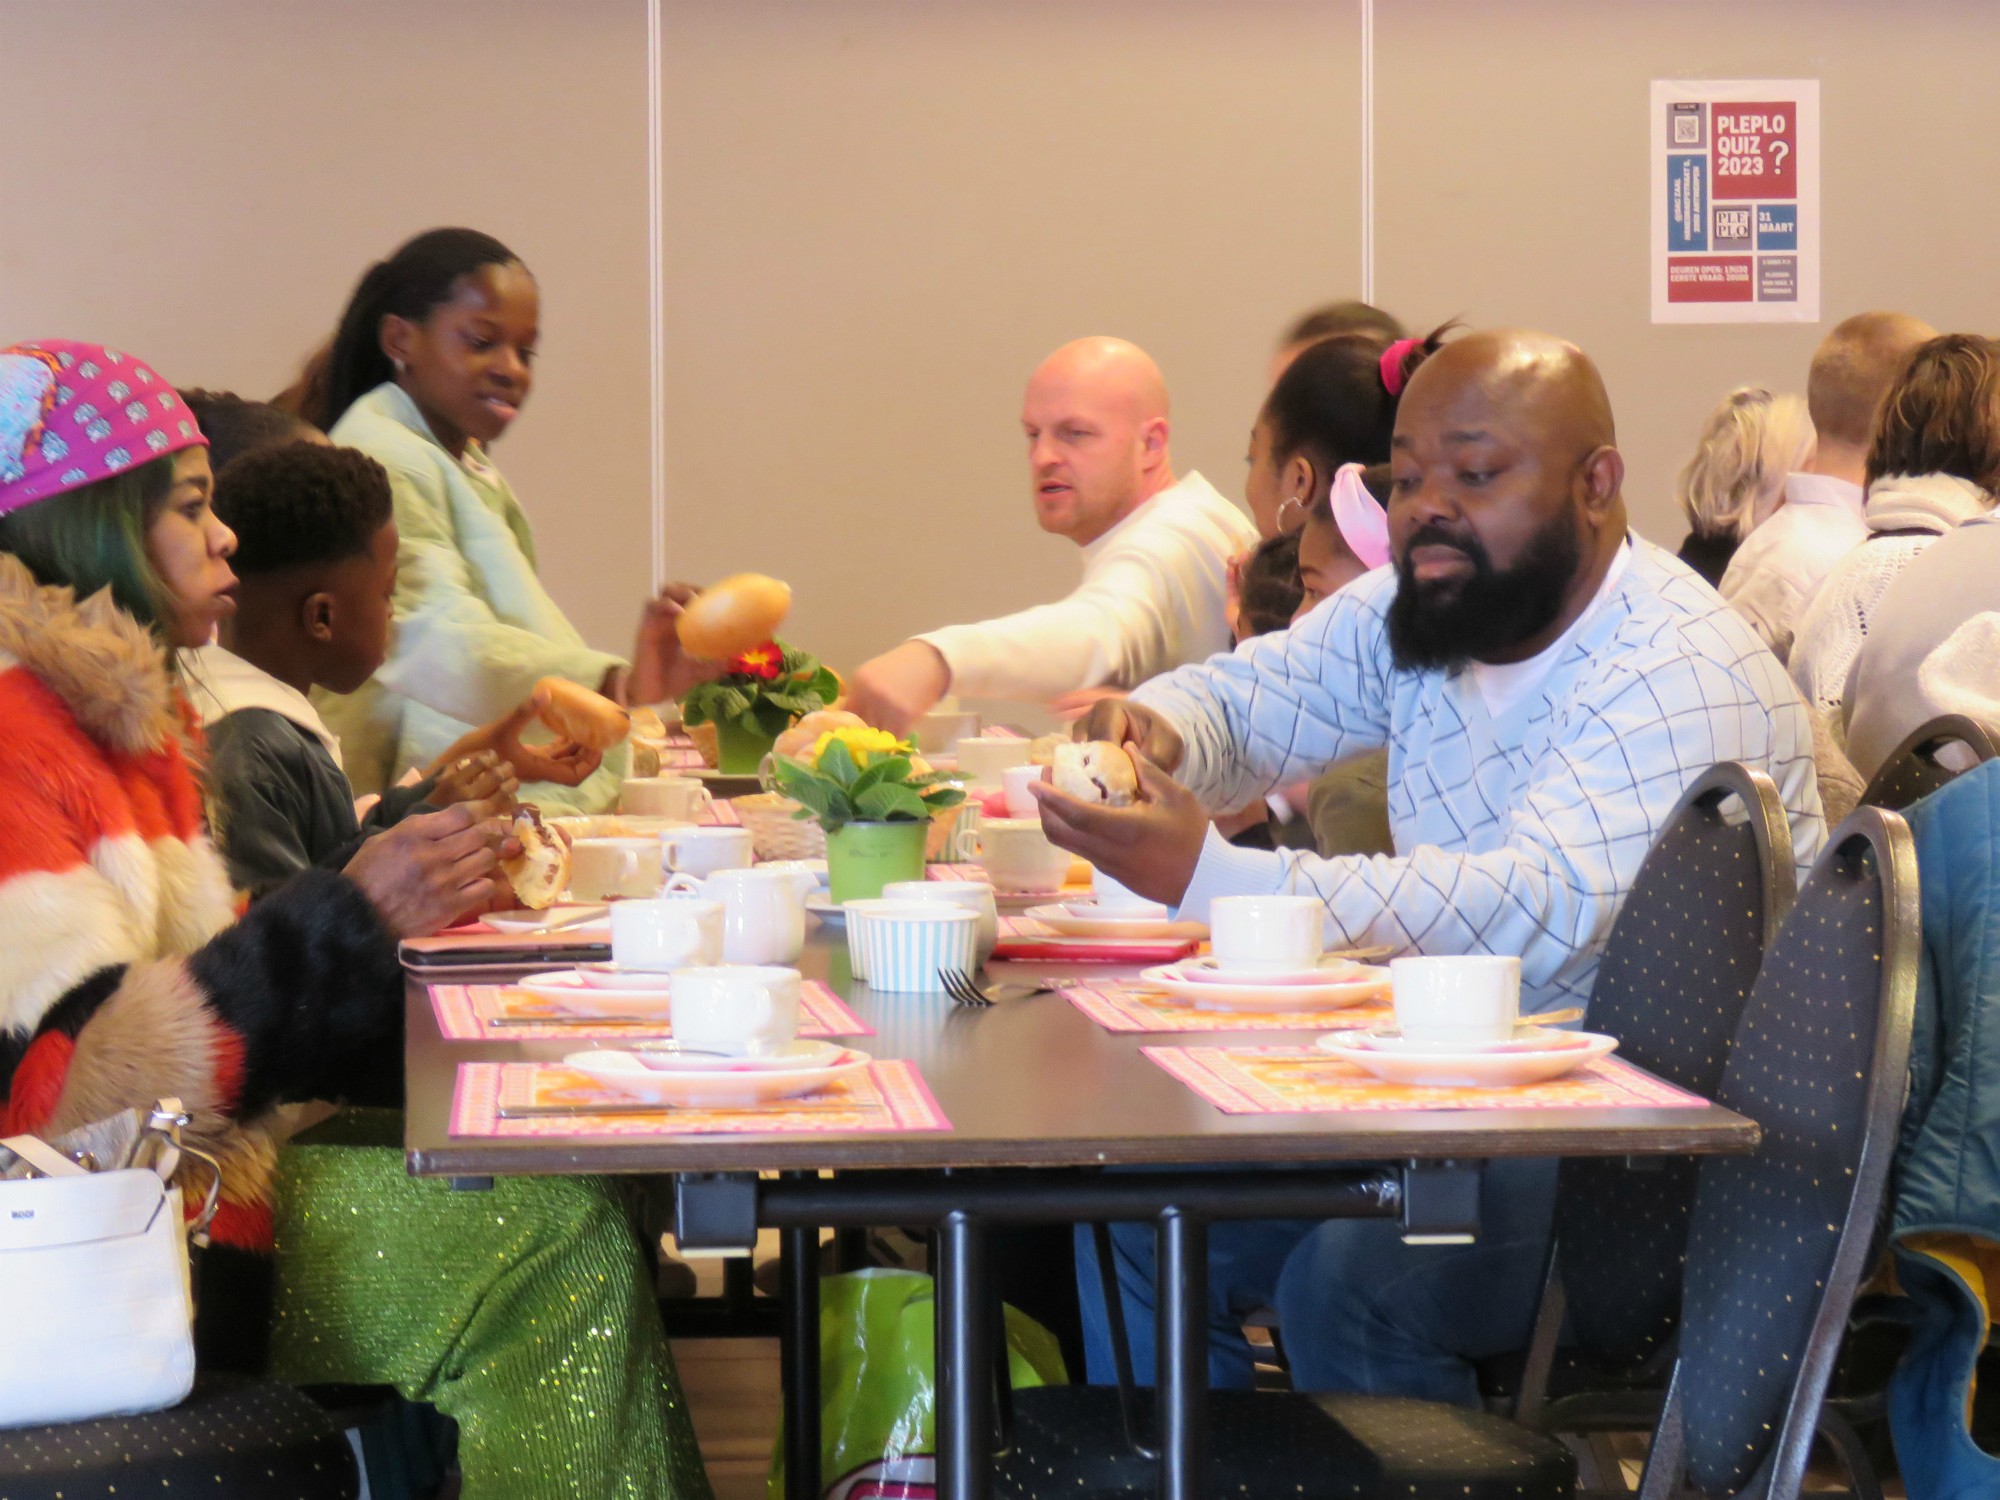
(581, 716)
(804, 734)
(540, 872)
(1096, 771)
(1042, 750)
(730, 617)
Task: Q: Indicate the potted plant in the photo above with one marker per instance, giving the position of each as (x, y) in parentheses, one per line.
(875, 799)
(755, 700)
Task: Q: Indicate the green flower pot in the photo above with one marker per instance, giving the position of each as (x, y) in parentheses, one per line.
(861, 858)
(739, 748)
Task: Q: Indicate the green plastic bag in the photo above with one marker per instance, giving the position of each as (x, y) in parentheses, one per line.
(878, 1396)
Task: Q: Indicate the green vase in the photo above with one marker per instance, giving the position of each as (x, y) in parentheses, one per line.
(740, 748)
(861, 858)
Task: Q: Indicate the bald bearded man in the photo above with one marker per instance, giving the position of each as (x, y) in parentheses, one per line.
(1156, 553)
(1547, 686)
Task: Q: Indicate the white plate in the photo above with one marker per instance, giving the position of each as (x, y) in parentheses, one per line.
(1206, 970)
(613, 976)
(793, 1057)
(1468, 1070)
(563, 917)
(565, 989)
(1370, 984)
(828, 912)
(1086, 919)
(629, 1074)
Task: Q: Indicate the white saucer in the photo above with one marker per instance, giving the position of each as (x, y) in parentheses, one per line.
(615, 976)
(1367, 983)
(524, 920)
(1087, 919)
(565, 989)
(1206, 970)
(793, 1057)
(629, 1074)
(1495, 1069)
(827, 911)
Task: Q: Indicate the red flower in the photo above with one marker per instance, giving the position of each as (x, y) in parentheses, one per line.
(763, 662)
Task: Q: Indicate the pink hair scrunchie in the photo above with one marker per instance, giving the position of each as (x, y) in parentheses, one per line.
(1392, 364)
(1362, 523)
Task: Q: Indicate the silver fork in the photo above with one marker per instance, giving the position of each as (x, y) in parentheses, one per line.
(964, 989)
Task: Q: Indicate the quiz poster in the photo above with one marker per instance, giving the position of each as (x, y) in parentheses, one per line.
(1735, 200)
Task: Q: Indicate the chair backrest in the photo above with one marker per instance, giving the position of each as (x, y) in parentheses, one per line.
(1780, 1238)
(1677, 970)
(1914, 771)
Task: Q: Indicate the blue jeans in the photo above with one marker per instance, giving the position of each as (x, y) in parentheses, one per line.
(1357, 1308)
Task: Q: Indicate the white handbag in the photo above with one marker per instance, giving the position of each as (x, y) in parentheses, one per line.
(94, 1277)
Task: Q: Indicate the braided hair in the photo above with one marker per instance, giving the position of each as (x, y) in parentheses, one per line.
(409, 284)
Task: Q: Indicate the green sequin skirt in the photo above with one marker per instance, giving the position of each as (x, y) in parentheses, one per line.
(522, 1313)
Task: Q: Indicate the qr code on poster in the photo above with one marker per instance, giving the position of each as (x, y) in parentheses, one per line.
(1685, 120)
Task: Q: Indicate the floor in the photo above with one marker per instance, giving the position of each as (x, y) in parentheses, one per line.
(732, 1392)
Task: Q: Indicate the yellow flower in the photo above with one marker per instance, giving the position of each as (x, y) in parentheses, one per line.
(860, 743)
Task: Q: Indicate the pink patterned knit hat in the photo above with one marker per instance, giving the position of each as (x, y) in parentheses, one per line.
(72, 414)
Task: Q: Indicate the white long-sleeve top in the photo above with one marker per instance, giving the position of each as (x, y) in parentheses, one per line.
(1516, 832)
(1154, 597)
(1779, 565)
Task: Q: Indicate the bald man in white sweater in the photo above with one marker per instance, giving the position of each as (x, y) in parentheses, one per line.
(1156, 553)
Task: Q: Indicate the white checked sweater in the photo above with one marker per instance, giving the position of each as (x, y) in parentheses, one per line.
(1518, 834)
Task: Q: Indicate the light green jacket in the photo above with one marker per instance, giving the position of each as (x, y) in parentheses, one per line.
(474, 626)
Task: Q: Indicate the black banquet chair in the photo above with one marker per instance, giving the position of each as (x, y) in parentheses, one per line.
(1776, 1245)
(1914, 770)
(234, 1437)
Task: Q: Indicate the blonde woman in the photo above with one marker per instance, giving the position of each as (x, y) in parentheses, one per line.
(1736, 478)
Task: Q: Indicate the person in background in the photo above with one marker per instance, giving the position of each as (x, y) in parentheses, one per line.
(1934, 465)
(1551, 685)
(1777, 567)
(1749, 445)
(1156, 550)
(316, 569)
(432, 361)
(128, 977)
(1329, 321)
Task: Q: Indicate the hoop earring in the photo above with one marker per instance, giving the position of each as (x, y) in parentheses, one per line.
(1290, 502)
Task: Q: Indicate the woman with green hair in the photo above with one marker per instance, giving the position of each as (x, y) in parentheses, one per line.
(127, 976)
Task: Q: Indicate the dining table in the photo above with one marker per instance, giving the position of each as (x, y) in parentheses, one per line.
(1044, 1106)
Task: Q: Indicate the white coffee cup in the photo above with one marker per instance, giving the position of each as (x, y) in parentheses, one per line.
(1021, 802)
(1266, 934)
(763, 911)
(1446, 1002)
(703, 851)
(749, 1010)
(668, 932)
(984, 759)
(976, 895)
(1114, 899)
(601, 869)
(1019, 856)
(943, 727)
(664, 797)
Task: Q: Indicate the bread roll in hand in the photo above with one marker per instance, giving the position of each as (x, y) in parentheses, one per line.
(728, 618)
(581, 716)
(1096, 771)
(540, 872)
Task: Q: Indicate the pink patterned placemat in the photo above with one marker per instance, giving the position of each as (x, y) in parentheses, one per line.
(1119, 1006)
(499, 1100)
(675, 757)
(720, 814)
(500, 1013)
(1303, 1080)
(958, 872)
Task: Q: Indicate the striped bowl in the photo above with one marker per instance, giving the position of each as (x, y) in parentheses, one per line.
(905, 946)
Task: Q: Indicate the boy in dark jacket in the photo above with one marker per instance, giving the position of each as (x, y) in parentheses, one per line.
(316, 560)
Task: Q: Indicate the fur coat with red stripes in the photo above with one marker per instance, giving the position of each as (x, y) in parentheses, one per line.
(126, 974)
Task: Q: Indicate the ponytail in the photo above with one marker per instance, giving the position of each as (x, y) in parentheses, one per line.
(409, 284)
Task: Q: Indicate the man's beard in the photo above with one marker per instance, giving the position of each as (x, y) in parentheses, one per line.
(1445, 625)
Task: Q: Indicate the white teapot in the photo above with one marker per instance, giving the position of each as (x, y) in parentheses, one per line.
(763, 910)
